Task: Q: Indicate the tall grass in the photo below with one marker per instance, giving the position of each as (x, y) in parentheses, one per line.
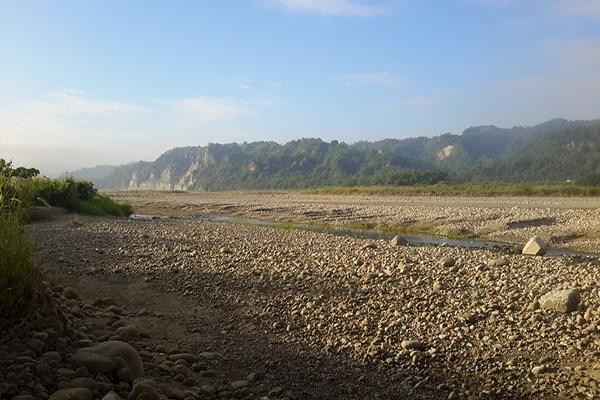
(486, 189)
(22, 291)
(74, 195)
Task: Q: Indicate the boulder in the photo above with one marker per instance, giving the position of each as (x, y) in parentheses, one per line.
(112, 349)
(565, 300)
(144, 388)
(535, 247)
(95, 363)
(398, 241)
(72, 394)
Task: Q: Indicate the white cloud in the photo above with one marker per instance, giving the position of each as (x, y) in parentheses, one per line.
(73, 103)
(70, 131)
(383, 78)
(334, 7)
(246, 87)
(202, 110)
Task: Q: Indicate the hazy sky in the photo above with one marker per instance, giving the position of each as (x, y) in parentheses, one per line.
(107, 82)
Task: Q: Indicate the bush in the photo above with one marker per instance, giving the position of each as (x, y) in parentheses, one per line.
(74, 195)
(100, 205)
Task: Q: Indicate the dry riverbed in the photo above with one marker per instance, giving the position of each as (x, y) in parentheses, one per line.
(572, 223)
(334, 317)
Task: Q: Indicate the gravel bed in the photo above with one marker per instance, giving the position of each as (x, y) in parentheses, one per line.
(572, 223)
(341, 317)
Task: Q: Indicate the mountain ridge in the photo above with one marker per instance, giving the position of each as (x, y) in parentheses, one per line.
(555, 150)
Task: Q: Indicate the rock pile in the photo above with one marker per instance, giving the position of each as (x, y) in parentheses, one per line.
(77, 359)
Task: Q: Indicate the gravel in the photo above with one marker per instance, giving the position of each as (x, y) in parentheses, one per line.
(341, 317)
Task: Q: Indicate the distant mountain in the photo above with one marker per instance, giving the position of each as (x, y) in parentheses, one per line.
(93, 174)
(556, 150)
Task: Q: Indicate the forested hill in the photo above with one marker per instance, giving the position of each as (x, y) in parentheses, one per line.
(556, 150)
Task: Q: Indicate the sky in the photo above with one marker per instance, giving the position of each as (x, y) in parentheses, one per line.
(86, 82)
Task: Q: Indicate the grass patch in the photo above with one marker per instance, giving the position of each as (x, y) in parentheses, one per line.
(22, 290)
(74, 195)
(101, 205)
(485, 189)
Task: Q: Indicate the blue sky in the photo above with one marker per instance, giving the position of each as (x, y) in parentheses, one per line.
(89, 82)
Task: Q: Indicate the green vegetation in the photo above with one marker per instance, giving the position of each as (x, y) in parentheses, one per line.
(483, 189)
(557, 151)
(22, 291)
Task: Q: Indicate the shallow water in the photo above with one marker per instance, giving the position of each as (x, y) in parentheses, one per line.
(421, 239)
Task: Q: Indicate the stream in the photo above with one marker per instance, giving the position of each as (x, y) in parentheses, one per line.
(412, 238)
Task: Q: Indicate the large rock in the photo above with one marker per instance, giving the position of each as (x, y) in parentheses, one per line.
(70, 293)
(72, 394)
(144, 388)
(535, 247)
(95, 363)
(398, 241)
(560, 300)
(113, 349)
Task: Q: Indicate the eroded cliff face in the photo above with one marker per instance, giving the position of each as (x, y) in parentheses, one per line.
(170, 180)
(164, 182)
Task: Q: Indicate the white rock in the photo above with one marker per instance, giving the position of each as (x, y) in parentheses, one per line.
(535, 247)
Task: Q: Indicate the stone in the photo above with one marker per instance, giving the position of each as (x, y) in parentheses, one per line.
(95, 363)
(211, 355)
(72, 394)
(70, 293)
(565, 300)
(53, 356)
(538, 370)
(145, 389)
(42, 336)
(437, 286)
(36, 345)
(190, 358)
(398, 241)
(43, 369)
(411, 344)
(180, 369)
(131, 330)
(535, 247)
(114, 348)
(24, 397)
(173, 392)
(207, 390)
(87, 383)
(124, 375)
(447, 262)
(66, 372)
(239, 384)
(498, 262)
(111, 396)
